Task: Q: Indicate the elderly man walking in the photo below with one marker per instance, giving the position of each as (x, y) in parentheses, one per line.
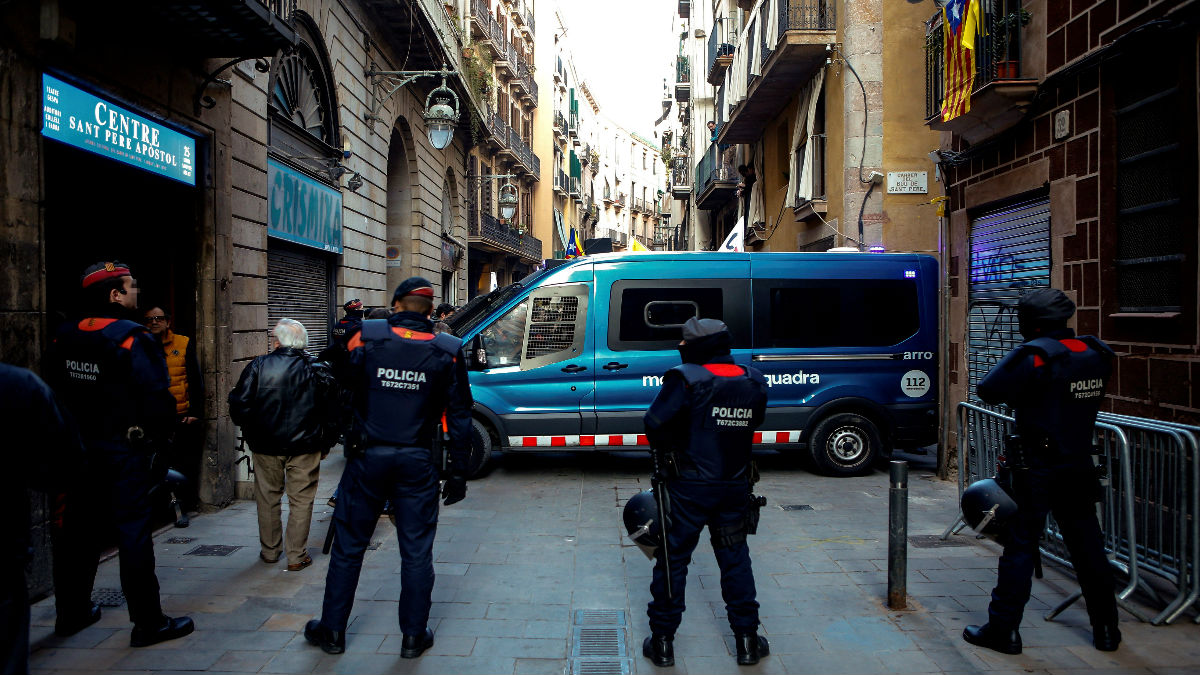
(285, 404)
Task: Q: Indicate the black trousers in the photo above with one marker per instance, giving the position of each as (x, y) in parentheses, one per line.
(407, 477)
(695, 504)
(1068, 491)
(14, 618)
(115, 502)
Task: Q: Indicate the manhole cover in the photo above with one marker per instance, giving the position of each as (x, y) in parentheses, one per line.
(181, 540)
(936, 541)
(611, 617)
(599, 641)
(213, 550)
(600, 667)
(796, 507)
(108, 597)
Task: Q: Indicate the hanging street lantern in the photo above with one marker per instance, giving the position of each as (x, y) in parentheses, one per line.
(440, 116)
(508, 200)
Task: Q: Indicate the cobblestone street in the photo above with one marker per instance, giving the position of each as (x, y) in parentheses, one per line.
(541, 538)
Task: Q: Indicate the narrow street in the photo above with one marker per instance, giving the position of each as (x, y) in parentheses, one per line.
(540, 539)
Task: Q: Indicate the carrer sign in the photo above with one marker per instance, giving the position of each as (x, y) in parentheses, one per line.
(908, 182)
(86, 121)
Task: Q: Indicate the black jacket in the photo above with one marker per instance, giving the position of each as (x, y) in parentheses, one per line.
(286, 404)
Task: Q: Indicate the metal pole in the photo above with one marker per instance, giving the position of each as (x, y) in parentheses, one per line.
(898, 536)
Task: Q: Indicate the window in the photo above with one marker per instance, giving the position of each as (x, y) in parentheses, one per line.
(649, 314)
(546, 327)
(504, 340)
(835, 313)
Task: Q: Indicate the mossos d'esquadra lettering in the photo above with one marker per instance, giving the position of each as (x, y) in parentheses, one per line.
(798, 377)
(83, 370)
(390, 378)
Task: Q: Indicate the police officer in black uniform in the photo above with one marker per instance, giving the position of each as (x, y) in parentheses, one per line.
(111, 375)
(704, 418)
(335, 354)
(403, 377)
(1054, 383)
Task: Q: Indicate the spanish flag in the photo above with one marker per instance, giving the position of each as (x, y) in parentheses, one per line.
(961, 21)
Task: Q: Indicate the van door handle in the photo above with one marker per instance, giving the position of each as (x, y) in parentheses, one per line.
(613, 365)
(573, 368)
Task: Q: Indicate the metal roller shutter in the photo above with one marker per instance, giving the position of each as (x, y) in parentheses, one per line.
(298, 288)
(1010, 254)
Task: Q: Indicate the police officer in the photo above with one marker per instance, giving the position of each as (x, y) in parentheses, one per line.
(403, 377)
(1054, 383)
(705, 416)
(111, 376)
(335, 354)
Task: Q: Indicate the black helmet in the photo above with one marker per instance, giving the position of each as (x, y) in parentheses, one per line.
(987, 508)
(641, 520)
(1043, 309)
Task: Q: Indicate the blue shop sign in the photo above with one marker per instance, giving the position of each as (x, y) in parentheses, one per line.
(86, 121)
(303, 210)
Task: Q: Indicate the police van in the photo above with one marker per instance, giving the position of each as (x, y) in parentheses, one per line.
(570, 358)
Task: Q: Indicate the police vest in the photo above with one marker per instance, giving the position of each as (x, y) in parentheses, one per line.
(97, 378)
(726, 402)
(407, 375)
(342, 329)
(175, 349)
(1072, 374)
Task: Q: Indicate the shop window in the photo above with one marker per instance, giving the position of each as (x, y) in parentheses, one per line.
(838, 313)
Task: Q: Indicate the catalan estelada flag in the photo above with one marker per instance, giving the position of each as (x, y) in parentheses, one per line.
(961, 21)
(574, 246)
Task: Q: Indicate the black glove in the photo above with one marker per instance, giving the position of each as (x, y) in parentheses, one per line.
(455, 490)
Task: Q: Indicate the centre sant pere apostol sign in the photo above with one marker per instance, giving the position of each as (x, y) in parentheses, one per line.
(89, 122)
(303, 210)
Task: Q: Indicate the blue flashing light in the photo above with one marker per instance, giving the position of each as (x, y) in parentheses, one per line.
(876, 249)
(910, 274)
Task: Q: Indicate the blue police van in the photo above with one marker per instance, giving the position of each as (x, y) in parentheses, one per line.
(571, 357)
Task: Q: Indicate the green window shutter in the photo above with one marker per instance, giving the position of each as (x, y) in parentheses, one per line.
(576, 169)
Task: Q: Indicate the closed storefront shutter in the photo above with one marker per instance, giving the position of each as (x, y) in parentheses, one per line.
(298, 287)
(1010, 254)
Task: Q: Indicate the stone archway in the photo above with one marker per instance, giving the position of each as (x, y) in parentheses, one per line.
(402, 238)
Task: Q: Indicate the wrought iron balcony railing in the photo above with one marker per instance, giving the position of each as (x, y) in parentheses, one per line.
(997, 52)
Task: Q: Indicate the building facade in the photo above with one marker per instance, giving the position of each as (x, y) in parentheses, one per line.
(1075, 168)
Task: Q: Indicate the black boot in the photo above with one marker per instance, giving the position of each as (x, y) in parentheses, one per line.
(750, 648)
(65, 626)
(330, 641)
(1003, 641)
(413, 645)
(169, 629)
(1106, 638)
(659, 649)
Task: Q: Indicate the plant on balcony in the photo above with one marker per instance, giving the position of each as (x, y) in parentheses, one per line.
(478, 70)
(1006, 28)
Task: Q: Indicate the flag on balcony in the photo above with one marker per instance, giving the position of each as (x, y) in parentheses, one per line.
(636, 246)
(961, 21)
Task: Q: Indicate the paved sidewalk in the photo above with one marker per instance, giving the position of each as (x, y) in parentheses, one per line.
(541, 537)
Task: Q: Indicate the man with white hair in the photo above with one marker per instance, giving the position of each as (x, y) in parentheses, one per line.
(285, 404)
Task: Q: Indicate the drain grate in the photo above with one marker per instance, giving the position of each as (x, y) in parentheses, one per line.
(599, 641)
(108, 597)
(181, 540)
(936, 541)
(213, 550)
(599, 617)
(796, 507)
(600, 667)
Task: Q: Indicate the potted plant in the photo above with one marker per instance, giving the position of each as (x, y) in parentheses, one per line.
(1005, 31)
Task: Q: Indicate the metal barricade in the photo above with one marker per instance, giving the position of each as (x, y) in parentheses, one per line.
(981, 432)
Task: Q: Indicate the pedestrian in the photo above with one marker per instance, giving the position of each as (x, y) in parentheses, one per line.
(31, 418)
(404, 377)
(187, 386)
(703, 423)
(1054, 383)
(285, 403)
(444, 311)
(111, 376)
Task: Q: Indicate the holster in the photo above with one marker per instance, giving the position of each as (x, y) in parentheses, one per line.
(754, 512)
(668, 463)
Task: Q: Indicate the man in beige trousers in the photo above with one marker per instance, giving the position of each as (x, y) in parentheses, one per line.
(285, 403)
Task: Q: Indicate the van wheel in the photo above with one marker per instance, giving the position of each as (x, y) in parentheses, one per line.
(480, 459)
(845, 444)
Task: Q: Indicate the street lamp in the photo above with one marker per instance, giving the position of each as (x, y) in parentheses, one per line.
(508, 200)
(440, 117)
(441, 106)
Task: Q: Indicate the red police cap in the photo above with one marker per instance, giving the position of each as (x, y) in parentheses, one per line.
(103, 271)
(352, 305)
(419, 286)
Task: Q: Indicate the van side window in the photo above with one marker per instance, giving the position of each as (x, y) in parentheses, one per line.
(504, 340)
(548, 326)
(836, 312)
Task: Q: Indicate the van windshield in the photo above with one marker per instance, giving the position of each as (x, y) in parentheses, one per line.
(481, 306)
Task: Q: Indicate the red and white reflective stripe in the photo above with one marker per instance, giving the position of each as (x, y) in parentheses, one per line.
(615, 440)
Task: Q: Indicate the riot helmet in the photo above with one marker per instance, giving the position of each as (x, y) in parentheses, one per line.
(642, 522)
(1043, 310)
(987, 508)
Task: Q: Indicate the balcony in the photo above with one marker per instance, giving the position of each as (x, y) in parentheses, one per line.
(716, 180)
(498, 132)
(622, 200)
(609, 197)
(720, 56)
(224, 27)
(560, 125)
(573, 128)
(685, 9)
(786, 60)
(681, 177)
(573, 188)
(683, 79)
(505, 59)
(1000, 94)
(519, 152)
(489, 234)
(560, 182)
(481, 20)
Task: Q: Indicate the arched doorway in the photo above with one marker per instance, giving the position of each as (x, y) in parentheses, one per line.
(402, 240)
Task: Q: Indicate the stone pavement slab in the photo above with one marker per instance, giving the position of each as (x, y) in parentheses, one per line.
(541, 537)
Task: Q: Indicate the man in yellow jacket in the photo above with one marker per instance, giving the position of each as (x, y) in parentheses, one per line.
(187, 386)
